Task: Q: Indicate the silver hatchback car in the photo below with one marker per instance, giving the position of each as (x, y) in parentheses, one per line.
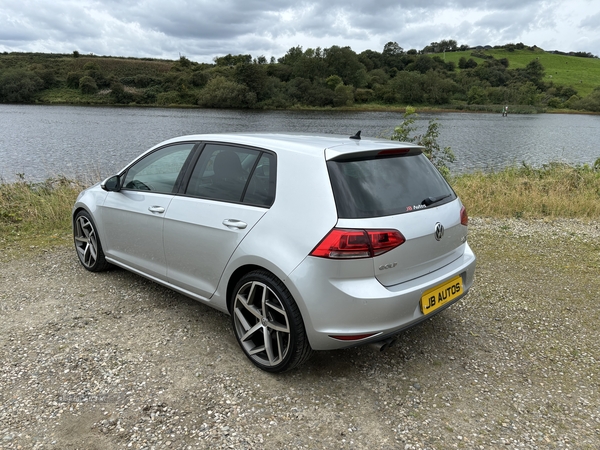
(308, 242)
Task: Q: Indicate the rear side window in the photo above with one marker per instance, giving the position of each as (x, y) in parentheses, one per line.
(234, 174)
(386, 186)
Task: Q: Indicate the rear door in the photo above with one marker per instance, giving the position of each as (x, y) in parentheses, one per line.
(228, 192)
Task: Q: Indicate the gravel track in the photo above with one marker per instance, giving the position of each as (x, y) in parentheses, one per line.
(111, 360)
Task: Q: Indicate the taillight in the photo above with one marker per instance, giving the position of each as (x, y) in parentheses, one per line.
(464, 218)
(351, 244)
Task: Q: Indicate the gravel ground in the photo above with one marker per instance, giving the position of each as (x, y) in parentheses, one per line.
(110, 360)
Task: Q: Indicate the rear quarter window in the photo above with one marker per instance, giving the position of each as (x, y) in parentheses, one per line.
(383, 186)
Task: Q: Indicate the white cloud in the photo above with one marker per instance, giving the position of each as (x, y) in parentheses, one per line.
(204, 29)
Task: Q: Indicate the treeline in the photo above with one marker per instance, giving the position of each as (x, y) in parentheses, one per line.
(329, 77)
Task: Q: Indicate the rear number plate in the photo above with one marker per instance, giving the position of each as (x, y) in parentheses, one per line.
(440, 295)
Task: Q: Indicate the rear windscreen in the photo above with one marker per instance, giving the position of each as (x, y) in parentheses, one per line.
(385, 186)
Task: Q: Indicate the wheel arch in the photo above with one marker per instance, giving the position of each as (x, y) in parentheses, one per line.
(237, 276)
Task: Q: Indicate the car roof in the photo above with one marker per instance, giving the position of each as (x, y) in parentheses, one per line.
(311, 144)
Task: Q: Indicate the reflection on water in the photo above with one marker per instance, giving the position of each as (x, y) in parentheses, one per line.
(94, 142)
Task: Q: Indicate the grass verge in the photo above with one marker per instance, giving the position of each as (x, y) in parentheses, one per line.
(555, 190)
(36, 216)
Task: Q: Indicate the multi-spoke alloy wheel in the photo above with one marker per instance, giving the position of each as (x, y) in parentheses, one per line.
(87, 243)
(268, 324)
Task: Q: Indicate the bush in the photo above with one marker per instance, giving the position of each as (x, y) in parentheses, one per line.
(343, 95)
(73, 79)
(167, 98)
(88, 85)
(589, 103)
(223, 93)
(555, 103)
(363, 95)
(18, 85)
(440, 157)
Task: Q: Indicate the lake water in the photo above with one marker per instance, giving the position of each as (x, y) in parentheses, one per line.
(94, 142)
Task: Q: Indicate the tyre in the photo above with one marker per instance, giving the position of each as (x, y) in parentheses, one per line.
(267, 323)
(87, 243)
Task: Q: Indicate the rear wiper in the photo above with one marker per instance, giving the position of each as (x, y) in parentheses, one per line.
(431, 200)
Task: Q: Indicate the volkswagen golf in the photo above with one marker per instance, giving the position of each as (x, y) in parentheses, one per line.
(308, 242)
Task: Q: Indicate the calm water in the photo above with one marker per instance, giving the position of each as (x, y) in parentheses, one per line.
(94, 142)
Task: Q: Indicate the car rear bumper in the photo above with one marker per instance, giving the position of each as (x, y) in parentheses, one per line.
(333, 305)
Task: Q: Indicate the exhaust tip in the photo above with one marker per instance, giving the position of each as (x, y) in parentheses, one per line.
(381, 346)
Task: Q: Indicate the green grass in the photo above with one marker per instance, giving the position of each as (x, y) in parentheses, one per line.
(554, 191)
(72, 97)
(583, 74)
(36, 215)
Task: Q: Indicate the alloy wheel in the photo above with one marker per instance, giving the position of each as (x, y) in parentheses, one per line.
(261, 324)
(86, 241)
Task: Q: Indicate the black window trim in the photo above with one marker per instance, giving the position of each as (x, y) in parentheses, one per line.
(199, 149)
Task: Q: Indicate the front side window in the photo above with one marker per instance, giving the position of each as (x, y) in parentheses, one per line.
(385, 186)
(235, 174)
(158, 171)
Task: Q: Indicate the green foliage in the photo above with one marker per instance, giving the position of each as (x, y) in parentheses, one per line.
(581, 73)
(334, 81)
(255, 78)
(440, 157)
(87, 85)
(73, 79)
(30, 211)
(223, 93)
(18, 85)
(363, 95)
(233, 60)
(589, 103)
(553, 190)
(343, 95)
(342, 61)
(525, 78)
(167, 98)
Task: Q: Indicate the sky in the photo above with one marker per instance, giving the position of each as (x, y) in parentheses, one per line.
(202, 29)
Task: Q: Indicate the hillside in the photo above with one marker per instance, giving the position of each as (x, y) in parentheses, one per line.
(528, 79)
(583, 74)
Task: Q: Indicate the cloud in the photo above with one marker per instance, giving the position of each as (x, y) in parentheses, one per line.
(204, 29)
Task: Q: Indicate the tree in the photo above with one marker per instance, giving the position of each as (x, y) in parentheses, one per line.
(18, 85)
(343, 95)
(233, 60)
(292, 56)
(223, 93)
(87, 85)
(255, 77)
(371, 60)
(407, 87)
(333, 81)
(440, 157)
(342, 61)
(310, 65)
(392, 56)
(535, 71)
(392, 49)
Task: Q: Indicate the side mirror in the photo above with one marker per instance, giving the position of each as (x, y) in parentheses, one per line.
(112, 184)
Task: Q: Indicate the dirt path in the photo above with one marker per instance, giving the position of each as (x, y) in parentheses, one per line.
(102, 361)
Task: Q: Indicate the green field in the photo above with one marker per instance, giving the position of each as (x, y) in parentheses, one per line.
(583, 74)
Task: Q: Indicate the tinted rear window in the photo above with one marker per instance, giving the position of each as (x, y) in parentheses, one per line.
(385, 186)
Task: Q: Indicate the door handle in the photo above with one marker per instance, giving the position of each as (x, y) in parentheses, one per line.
(234, 223)
(156, 209)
